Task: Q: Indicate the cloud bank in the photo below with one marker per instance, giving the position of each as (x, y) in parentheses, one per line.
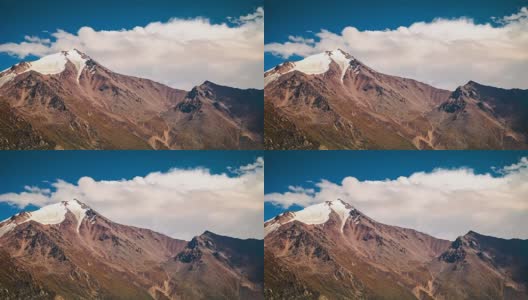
(181, 53)
(444, 53)
(181, 203)
(443, 203)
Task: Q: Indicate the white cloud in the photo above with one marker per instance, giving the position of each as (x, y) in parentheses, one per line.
(181, 203)
(300, 39)
(444, 53)
(444, 203)
(181, 53)
(36, 39)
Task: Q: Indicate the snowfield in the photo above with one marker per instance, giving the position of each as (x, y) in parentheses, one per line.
(315, 215)
(50, 65)
(50, 215)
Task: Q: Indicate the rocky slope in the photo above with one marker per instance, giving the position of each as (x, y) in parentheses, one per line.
(333, 251)
(333, 101)
(69, 251)
(69, 101)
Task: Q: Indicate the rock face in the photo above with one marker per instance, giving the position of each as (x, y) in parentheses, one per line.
(333, 251)
(333, 101)
(69, 251)
(69, 101)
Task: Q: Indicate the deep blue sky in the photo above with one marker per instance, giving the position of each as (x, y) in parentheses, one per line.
(297, 168)
(32, 17)
(284, 18)
(35, 168)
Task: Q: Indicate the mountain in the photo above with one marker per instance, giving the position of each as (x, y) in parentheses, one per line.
(332, 100)
(333, 251)
(69, 101)
(69, 251)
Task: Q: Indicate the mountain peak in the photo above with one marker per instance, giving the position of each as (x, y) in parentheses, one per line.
(208, 233)
(208, 83)
(341, 201)
(52, 214)
(76, 201)
(314, 215)
(56, 213)
(51, 64)
(339, 51)
(471, 82)
(473, 235)
(313, 65)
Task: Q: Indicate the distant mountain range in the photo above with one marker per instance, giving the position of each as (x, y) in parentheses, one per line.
(332, 100)
(333, 251)
(69, 251)
(69, 101)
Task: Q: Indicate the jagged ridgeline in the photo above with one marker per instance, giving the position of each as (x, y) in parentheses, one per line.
(333, 251)
(69, 101)
(332, 100)
(69, 251)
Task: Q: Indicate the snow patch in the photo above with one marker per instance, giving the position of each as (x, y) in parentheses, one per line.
(6, 78)
(6, 228)
(49, 65)
(341, 60)
(320, 213)
(56, 213)
(77, 60)
(271, 227)
(77, 210)
(313, 65)
(314, 215)
(341, 210)
(49, 215)
(267, 79)
(316, 64)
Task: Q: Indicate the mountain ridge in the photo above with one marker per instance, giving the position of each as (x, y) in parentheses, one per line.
(324, 254)
(68, 250)
(73, 102)
(324, 103)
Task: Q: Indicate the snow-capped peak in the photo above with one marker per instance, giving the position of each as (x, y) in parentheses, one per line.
(49, 215)
(320, 213)
(48, 65)
(56, 213)
(314, 215)
(314, 65)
